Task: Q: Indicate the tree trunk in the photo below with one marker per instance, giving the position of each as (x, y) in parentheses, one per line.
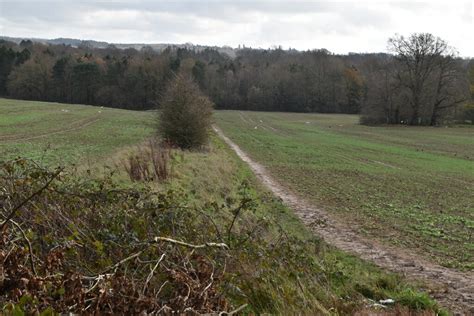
(414, 117)
(434, 117)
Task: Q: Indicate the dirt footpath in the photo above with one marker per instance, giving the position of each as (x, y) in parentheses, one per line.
(453, 289)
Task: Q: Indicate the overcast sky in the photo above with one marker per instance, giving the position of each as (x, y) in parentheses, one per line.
(339, 26)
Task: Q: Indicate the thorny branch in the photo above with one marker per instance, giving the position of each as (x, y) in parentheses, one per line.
(16, 208)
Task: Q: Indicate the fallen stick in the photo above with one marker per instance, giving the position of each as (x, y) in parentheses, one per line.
(185, 244)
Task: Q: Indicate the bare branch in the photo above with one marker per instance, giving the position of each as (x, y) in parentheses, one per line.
(30, 247)
(115, 266)
(16, 208)
(235, 311)
(185, 244)
(152, 272)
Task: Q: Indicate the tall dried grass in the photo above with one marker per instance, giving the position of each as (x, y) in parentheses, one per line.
(151, 162)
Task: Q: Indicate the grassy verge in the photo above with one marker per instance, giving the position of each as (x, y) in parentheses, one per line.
(412, 187)
(301, 276)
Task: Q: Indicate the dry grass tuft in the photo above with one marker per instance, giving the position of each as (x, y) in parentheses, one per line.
(151, 162)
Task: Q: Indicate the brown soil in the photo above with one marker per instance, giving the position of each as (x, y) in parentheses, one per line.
(452, 289)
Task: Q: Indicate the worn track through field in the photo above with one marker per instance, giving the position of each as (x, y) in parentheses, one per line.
(73, 126)
(452, 289)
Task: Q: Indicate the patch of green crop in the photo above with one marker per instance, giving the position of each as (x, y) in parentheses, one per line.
(410, 186)
(55, 133)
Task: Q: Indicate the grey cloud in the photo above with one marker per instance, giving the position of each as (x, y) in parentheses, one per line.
(231, 11)
(261, 22)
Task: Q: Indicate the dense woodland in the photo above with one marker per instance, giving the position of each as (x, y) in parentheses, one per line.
(421, 81)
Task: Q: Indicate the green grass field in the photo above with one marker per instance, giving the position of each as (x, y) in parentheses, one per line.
(65, 133)
(311, 276)
(410, 186)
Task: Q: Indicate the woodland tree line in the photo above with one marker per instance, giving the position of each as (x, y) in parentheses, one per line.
(421, 81)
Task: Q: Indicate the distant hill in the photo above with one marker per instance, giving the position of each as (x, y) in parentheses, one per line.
(97, 44)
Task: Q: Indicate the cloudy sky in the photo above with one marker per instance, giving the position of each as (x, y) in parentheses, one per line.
(339, 26)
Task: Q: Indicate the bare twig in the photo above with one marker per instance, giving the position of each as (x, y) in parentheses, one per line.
(235, 311)
(30, 248)
(16, 208)
(250, 233)
(152, 272)
(236, 214)
(185, 244)
(115, 266)
(163, 308)
(99, 278)
(210, 283)
(9, 252)
(218, 232)
(243, 205)
(161, 287)
(189, 292)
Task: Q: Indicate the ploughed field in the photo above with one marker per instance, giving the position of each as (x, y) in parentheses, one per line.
(408, 186)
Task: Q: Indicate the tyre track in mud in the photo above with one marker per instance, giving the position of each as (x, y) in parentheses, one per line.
(452, 289)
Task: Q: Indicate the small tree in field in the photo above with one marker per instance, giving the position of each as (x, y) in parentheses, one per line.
(185, 116)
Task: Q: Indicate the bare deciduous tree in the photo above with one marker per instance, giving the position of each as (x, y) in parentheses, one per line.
(418, 57)
(425, 83)
(450, 87)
